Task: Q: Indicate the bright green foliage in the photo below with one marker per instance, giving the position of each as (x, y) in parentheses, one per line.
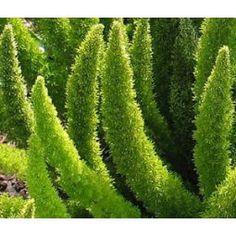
(47, 202)
(78, 180)
(13, 161)
(222, 202)
(82, 100)
(181, 103)
(216, 32)
(28, 211)
(163, 31)
(141, 59)
(30, 57)
(56, 37)
(19, 116)
(79, 28)
(161, 192)
(213, 126)
(16, 207)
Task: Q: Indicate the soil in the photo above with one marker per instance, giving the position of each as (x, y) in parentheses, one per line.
(12, 186)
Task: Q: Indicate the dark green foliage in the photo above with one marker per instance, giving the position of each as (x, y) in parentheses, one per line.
(213, 126)
(56, 37)
(141, 59)
(222, 202)
(130, 26)
(82, 101)
(162, 192)
(78, 181)
(79, 28)
(30, 57)
(18, 124)
(197, 25)
(55, 33)
(216, 32)
(16, 207)
(163, 31)
(76, 210)
(13, 161)
(47, 202)
(3, 22)
(181, 103)
(107, 25)
(2, 111)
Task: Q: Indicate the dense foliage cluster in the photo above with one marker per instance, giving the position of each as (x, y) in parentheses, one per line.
(118, 118)
(76, 178)
(141, 58)
(128, 131)
(180, 100)
(16, 207)
(17, 112)
(40, 186)
(82, 109)
(212, 151)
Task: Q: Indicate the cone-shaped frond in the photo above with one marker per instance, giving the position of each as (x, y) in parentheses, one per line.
(216, 32)
(141, 59)
(30, 57)
(180, 100)
(78, 181)
(82, 101)
(19, 116)
(161, 192)
(213, 125)
(222, 201)
(47, 202)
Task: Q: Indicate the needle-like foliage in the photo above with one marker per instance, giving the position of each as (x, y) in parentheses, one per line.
(216, 32)
(180, 100)
(56, 38)
(79, 29)
(82, 101)
(222, 202)
(13, 161)
(47, 202)
(141, 59)
(16, 207)
(162, 192)
(164, 32)
(17, 109)
(76, 178)
(213, 126)
(31, 58)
